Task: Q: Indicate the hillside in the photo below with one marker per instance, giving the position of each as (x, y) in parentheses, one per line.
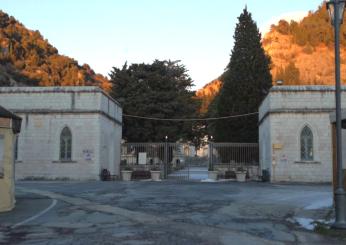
(26, 58)
(302, 53)
(208, 93)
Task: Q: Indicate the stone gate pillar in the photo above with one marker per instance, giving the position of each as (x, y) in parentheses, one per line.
(9, 127)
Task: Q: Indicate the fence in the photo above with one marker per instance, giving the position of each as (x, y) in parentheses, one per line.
(174, 160)
(166, 157)
(233, 156)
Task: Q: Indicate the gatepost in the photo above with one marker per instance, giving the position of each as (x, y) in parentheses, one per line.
(9, 127)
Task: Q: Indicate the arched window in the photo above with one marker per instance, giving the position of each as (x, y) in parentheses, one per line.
(65, 144)
(306, 144)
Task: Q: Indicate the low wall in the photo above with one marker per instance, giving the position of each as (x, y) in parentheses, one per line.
(57, 171)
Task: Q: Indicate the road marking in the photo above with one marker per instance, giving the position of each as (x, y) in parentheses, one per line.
(209, 233)
(54, 202)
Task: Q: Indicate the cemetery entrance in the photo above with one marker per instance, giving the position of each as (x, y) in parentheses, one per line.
(181, 161)
(174, 160)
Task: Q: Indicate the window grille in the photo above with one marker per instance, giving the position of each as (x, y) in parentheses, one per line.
(306, 144)
(65, 144)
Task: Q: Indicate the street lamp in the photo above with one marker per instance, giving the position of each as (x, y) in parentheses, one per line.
(210, 148)
(336, 12)
(165, 166)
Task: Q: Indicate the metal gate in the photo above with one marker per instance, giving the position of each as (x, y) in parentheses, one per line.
(181, 161)
(228, 158)
(173, 160)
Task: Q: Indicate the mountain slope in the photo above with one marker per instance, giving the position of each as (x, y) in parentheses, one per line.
(31, 60)
(208, 93)
(302, 53)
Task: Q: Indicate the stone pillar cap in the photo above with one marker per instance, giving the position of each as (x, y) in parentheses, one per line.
(16, 120)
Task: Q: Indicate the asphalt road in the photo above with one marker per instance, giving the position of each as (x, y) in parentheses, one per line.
(167, 212)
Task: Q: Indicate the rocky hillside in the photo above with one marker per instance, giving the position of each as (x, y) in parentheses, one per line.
(208, 93)
(302, 53)
(26, 58)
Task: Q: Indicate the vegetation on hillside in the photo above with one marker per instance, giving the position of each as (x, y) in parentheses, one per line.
(29, 59)
(312, 31)
(302, 52)
(207, 94)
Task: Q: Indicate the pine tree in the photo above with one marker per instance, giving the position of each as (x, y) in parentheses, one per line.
(246, 82)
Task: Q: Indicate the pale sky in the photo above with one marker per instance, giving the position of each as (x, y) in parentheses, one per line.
(107, 33)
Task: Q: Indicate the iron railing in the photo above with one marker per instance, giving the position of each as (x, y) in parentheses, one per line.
(175, 160)
(167, 157)
(233, 155)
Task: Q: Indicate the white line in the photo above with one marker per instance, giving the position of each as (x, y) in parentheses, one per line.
(54, 202)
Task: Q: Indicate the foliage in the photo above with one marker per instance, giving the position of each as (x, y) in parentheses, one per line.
(207, 94)
(127, 168)
(246, 82)
(241, 169)
(160, 90)
(313, 30)
(31, 60)
(290, 74)
(155, 168)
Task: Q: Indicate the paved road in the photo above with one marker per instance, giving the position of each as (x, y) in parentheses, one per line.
(191, 173)
(167, 212)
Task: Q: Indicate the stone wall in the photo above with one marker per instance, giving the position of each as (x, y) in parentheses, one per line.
(265, 145)
(282, 116)
(93, 118)
(285, 134)
(7, 197)
(39, 147)
(60, 99)
(109, 148)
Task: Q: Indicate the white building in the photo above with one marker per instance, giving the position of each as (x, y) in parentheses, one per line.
(295, 133)
(67, 132)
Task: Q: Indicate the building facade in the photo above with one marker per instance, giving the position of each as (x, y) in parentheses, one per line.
(66, 133)
(295, 133)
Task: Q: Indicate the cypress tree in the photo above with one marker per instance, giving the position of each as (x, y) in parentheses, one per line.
(246, 81)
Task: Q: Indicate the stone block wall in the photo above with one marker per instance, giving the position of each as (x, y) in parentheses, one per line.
(282, 116)
(110, 144)
(39, 147)
(288, 165)
(7, 197)
(94, 119)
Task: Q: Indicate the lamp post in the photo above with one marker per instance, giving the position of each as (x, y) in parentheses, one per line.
(165, 166)
(210, 148)
(336, 11)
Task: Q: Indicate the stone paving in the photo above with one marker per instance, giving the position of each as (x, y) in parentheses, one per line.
(167, 212)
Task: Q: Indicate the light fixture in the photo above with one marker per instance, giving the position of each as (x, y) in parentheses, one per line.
(338, 6)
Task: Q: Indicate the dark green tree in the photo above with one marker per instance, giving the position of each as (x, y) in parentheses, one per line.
(246, 82)
(158, 90)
